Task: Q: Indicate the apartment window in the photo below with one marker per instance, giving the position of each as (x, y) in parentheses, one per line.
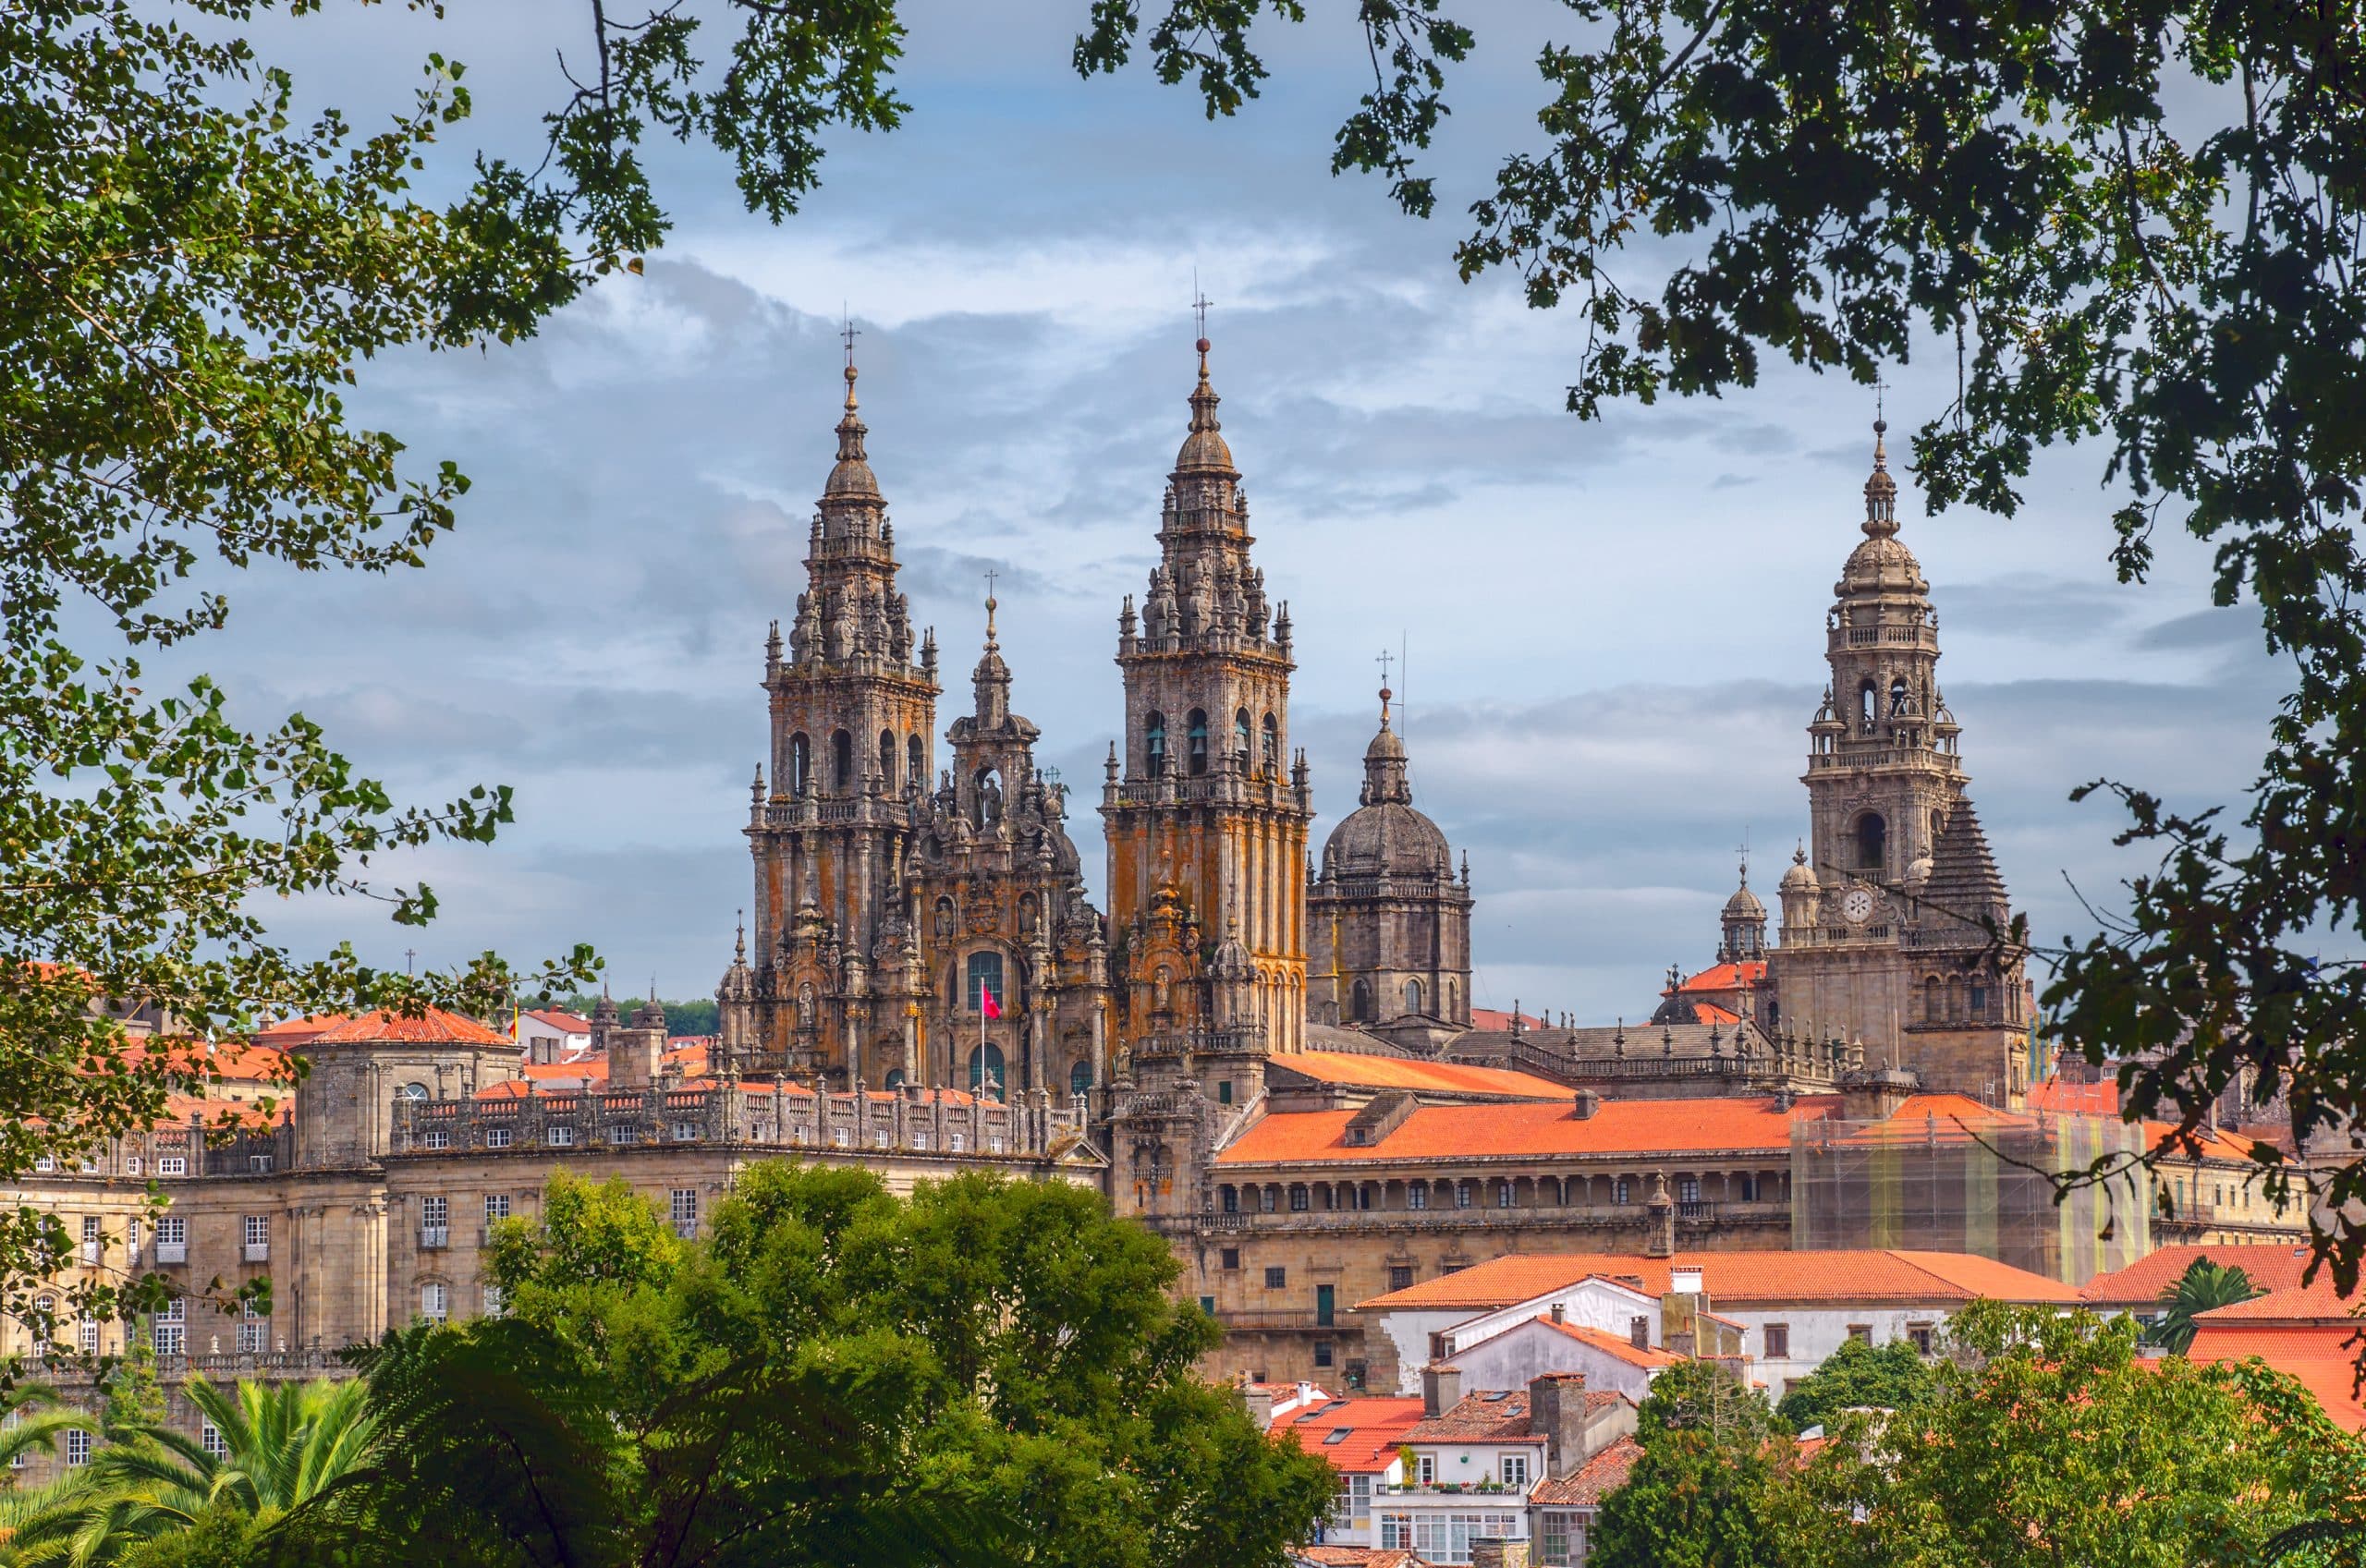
(1778, 1341)
(1503, 1195)
(254, 1331)
(560, 1137)
(88, 1332)
(957, 1142)
(1418, 1196)
(1465, 1193)
(1401, 1276)
(45, 1164)
(1355, 1503)
(209, 1437)
(172, 1239)
(1228, 1198)
(259, 1164)
(496, 1207)
(841, 1137)
(1326, 1299)
(435, 1302)
(1266, 1204)
(684, 1210)
(492, 1301)
(496, 1138)
(255, 1231)
(1275, 1278)
(435, 1213)
(1923, 1336)
(1861, 1332)
(879, 1137)
(1230, 1258)
(993, 1144)
(1323, 1353)
(1622, 1191)
(1516, 1471)
(44, 1323)
(1559, 1538)
(134, 1166)
(171, 1165)
(168, 1328)
(94, 1241)
(78, 1449)
(437, 1137)
(1425, 1469)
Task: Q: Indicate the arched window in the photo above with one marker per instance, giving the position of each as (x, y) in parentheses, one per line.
(985, 1070)
(1361, 1011)
(895, 1079)
(1872, 842)
(1272, 751)
(1154, 743)
(800, 763)
(1979, 999)
(1240, 737)
(986, 974)
(887, 761)
(1931, 1000)
(1448, 995)
(1865, 704)
(1081, 1078)
(1413, 996)
(915, 762)
(1897, 698)
(1198, 755)
(414, 1092)
(842, 761)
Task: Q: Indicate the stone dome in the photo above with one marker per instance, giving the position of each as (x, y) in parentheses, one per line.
(1385, 836)
(1744, 906)
(1204, 450)
(1800, 878)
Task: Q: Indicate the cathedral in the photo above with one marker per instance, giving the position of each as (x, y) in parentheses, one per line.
(931, 925)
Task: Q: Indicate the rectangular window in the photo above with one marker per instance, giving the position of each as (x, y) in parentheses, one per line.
(1326, 1299)
(1688, 1189)
(168, 1328)
(957, 1142)
(94, 1243)
(1622, 1191)
(1223, 1091)
(435, 1211)
(1923, 1336)
(259, 1164)
(254, 1333)
(1323, 1353)
(1299, 1201)
(255, 1231)
(1861, 1332)
(437, 1137)
(496, 1138)
(1558, 1536)
(683, 1212)
(134, 1165)
(985, 976)
(1463, 1194)
(171, 1165)
(1417, 1195)
(492, 1301)
(78, 1449)
(1778, 1341)
(1425, 1469)
(1401, 1276)
(560, 1137)
(209, 1437)
(1208, 1304)
(1275, 1278)
(1229, 1258)
(1516, 1471)
(89, 1329)
(172, 1228)
(435, 1302)
(686, 1132)
(496, 1207)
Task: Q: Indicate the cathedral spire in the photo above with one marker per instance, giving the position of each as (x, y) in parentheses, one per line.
(1204, 451)
(1385, 762)
(992, 678)
(852, 478)
(1881, 491)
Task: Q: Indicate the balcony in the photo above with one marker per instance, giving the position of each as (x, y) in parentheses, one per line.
(254, 1252)
(435, 1238)
(1274, 1320)
(172, 1252)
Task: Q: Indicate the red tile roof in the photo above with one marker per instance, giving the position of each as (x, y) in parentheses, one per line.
(1590, 1482)
(1617, 1126)
(1496, 1018)
(1735, 1279)
(2323, 1358)
(296, 1031)
(1399, 1072)
(235, 1060)
(437, 1027)
(1372, 1426)
(1617, 1345)
(1726, 977)
(2271, 1267)
(2200, 1144)
(1500, 1416)
(2316, 1303)
(1709, 1013)
(2063, 1096)
(560, 1019)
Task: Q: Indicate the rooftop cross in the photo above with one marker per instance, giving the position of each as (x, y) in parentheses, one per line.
(851, 331)
(1199, 303)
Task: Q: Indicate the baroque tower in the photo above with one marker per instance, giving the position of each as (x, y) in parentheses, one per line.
(1388, 927)
(1206, 814)
(836, 976)
(1887, 911)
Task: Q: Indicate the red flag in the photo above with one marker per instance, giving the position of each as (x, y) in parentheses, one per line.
(986, 1003)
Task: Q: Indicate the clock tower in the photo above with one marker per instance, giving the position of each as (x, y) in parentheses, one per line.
(1897, 928)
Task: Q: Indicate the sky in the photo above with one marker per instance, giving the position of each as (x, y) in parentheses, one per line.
(1612, 631)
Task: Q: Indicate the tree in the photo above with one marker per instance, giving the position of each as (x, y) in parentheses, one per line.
(2202, 1286)
(1857, 1377)
(1700, 1495)
(1844, 184)
(985, 1372)
(2047, 1441)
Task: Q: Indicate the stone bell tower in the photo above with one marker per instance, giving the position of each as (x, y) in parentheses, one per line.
(1206, 811)
(1895, 917)
(834, 975)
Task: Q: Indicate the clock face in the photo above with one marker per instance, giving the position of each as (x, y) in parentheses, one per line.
(1858, 906)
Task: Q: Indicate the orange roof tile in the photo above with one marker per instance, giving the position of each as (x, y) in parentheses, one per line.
(1735, 1279)
(1615, 1346)
(1400, 1072)
(1709, 1013)
(2271, 1268)
(2321, 1356)
(236, 1061)
(2201, 1143)
(1460, 1132)
(1590, 1482)
(2064, 1097)
(560, 1019)
(1372, 1426)
(296, 1031)
(437, 1027)
(1726, 977)
(1496, 1018)
(2318, 1302)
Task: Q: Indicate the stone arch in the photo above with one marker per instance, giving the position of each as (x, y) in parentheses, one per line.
(1359, 1011)
(1872, 842)
(841, 761)
(1271, 753)
(1196, 742)
(887, 761)
(1154, 743)
(1240, 737)
(1413, 996)
(800, 763)
(915, 761)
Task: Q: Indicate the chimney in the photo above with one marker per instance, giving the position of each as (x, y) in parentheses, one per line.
(1441, 1388)
(1560, 1311)
(1685, 1281)
(1587, 1103)
(1258, 1402)
(1557, 1412)
(633, 1057)
(1491, 1552)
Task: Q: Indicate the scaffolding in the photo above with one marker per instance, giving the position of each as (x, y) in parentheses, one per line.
(1989, 1183)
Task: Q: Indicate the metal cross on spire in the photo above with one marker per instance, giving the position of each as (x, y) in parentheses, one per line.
(1385, 659)
(850, 333)
(1199, 303)
(1881, 387)
(991, 576)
